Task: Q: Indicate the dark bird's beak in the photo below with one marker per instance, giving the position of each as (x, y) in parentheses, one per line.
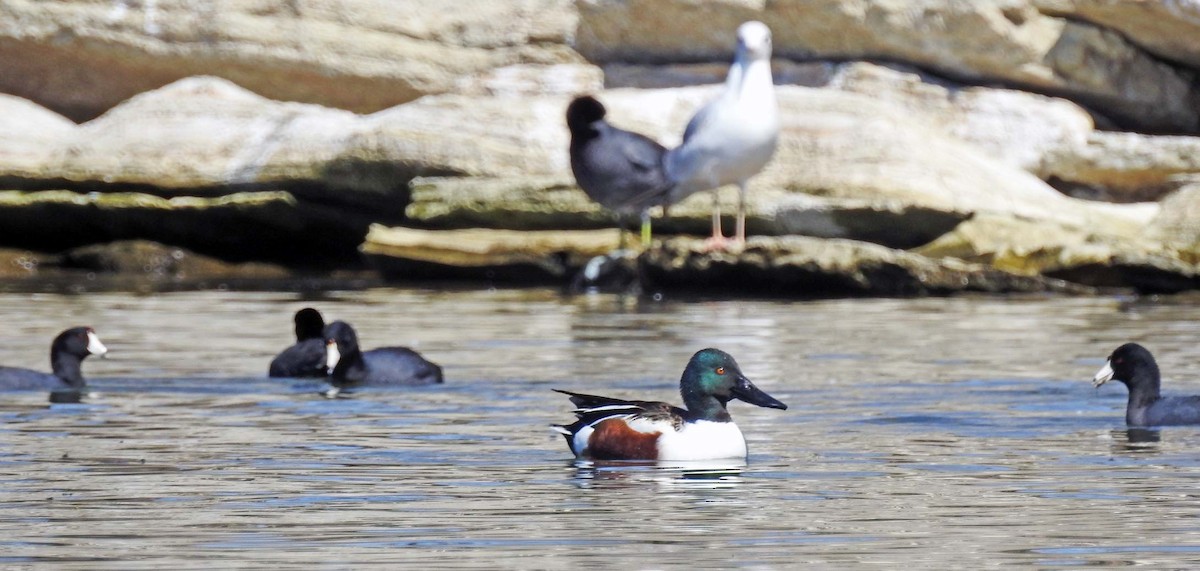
(1104, 375)
(746, 391)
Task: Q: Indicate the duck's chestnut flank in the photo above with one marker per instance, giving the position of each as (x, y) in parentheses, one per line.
(614, 439)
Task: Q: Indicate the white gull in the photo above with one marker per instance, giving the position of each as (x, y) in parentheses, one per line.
(733, 137)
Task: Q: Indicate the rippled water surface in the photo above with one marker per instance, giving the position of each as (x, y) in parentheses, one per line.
(936, 432)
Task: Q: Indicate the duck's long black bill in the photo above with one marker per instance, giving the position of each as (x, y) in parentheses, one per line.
(746, 391)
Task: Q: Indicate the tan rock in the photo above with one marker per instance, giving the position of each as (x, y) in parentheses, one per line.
(527, 256)
(81, 57)
(1000, 40)
(1167, 28)
(847, 166)
(1016, 126)
(1021, 246)
(1126, 167)
(1177, 226)
(154, 261)
(799, 266)
(15, 263)
(844, 160)
(30, 136)
(1148, 263)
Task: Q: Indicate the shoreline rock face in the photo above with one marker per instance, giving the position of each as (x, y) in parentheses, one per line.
(1009, 41)
(797, 266)
(503, 255)
(1040, 139)
(81, 57)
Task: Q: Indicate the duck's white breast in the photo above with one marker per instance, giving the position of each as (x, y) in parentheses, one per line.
(702, 440)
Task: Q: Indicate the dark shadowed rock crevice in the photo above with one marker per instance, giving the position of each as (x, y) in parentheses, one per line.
(269, 226)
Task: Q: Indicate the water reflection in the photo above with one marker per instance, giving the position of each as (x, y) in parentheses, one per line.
(1141, 435)
(706, 473)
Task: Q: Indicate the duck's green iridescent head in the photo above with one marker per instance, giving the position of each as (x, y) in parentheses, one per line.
(712, 379)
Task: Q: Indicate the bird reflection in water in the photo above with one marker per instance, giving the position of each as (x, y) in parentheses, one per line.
(1136, 440)
(700, 473)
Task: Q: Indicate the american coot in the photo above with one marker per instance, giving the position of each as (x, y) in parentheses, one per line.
(306, 358)
(615, 429)
(1133, 365)
(620, 170)
(353, 367)
(67, 353)
(733, 137)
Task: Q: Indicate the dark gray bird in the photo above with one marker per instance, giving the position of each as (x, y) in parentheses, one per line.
(1133, 365)
(67, 353)
(306, 357)
(351, 367)
(621, 170)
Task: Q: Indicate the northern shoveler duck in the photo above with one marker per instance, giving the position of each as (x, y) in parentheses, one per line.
(616, 429)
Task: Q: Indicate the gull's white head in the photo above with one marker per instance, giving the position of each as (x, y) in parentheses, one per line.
(754, 40)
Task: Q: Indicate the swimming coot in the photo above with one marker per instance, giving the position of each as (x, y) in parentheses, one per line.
(1133, 365)
(306, 358)
(67, 353)
(351, 367)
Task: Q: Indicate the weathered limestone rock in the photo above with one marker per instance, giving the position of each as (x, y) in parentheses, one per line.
(203, 132)
(518, 203)
(798, 266)
(20, 263)
(206, 136)
(1167, 28)
(1008, 41)
(1125, 167)
(1079, 255)
(1016, 126)
(533, 79)
(847, 166)
(521, 256)
(154, 261)
(553, 203)
(81, 57)
(29, 135)
(1177, 226)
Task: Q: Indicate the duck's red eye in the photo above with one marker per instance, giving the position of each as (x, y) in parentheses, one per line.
(720, 370)
(1118, 360)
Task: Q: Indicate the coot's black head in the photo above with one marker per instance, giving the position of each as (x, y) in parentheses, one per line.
(1131, 364)
(582, 112)
(309, 324)
(78, 342)
(343, 335)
